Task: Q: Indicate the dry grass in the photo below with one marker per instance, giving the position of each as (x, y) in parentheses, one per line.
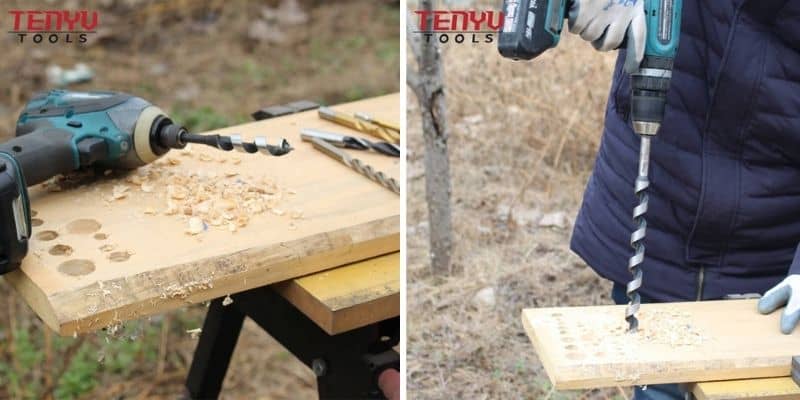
(523, 137)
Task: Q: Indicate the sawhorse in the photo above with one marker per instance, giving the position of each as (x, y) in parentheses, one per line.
(346, 365)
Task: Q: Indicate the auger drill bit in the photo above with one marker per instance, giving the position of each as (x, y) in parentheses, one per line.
(638, 235)
(174, 136)
(235, 142)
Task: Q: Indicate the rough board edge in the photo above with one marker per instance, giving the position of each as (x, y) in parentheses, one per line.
(351, 318)
(548, 367)
(311, 306)
(137, 296)
(33, 296)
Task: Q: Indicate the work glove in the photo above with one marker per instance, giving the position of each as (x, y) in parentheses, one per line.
(606, 23)
(785, 293)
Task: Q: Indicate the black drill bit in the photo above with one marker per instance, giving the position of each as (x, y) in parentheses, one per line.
(228, 143)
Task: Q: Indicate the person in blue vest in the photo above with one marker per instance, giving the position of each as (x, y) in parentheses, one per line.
(724, 210)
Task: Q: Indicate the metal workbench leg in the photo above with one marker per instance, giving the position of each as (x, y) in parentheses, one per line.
(214, 350)
(343, 363)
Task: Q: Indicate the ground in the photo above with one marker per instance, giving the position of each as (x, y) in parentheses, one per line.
(209, 64)
(523, 137)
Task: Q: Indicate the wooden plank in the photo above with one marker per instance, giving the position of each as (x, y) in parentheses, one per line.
(588, 347)
(344, 218)
(782, 388)
(348, 297)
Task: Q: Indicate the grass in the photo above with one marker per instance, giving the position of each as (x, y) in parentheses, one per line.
(38, 357)
(203, 118)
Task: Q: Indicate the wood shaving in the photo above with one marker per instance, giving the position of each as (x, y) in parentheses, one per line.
(195, 333)
(227, 300)
(119, 192)
(177, 192)
(182, 291)
(196, 226)
(107, 248)
(198, 199)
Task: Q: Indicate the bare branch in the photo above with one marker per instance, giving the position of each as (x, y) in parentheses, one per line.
(415, 83)
(427, 84)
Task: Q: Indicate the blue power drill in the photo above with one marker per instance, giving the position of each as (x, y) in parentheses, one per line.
(62, 131)
(532, 26)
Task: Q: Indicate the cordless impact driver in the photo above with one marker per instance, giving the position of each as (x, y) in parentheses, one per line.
(61, 131)
(532, 26)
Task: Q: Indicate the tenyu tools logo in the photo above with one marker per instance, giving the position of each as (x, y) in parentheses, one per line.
(53, 26)
(459, 26)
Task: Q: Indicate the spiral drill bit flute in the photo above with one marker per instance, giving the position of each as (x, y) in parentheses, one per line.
(649, 85)
(637, 237)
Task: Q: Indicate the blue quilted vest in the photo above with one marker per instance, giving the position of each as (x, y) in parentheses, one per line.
(724, 213)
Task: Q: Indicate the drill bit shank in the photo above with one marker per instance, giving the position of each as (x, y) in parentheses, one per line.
(356, 165)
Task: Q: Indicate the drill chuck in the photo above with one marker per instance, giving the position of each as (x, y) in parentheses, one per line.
(649, 87)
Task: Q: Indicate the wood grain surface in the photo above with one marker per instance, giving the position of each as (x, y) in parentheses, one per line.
(588, 347)
(348, 297)
(102, 254)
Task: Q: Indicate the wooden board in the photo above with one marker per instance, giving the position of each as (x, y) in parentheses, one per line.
(755, 389)
(587, 347)
(348, 297)
(323, 215)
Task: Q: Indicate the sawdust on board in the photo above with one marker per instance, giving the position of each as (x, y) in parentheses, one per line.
(599, 336)
(207, 199)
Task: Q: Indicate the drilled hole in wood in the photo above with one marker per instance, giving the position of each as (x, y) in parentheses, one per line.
(61, 250)
(83, 226)
(34, 213)
(46, 235)
(100, 236)
(571, 347)
(76, 267)
(36, 222)
(575, 355)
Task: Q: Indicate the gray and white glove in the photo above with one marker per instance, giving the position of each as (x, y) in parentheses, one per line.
(606, 23)
(785, 293)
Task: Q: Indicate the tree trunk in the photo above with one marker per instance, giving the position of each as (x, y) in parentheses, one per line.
(428, 87)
